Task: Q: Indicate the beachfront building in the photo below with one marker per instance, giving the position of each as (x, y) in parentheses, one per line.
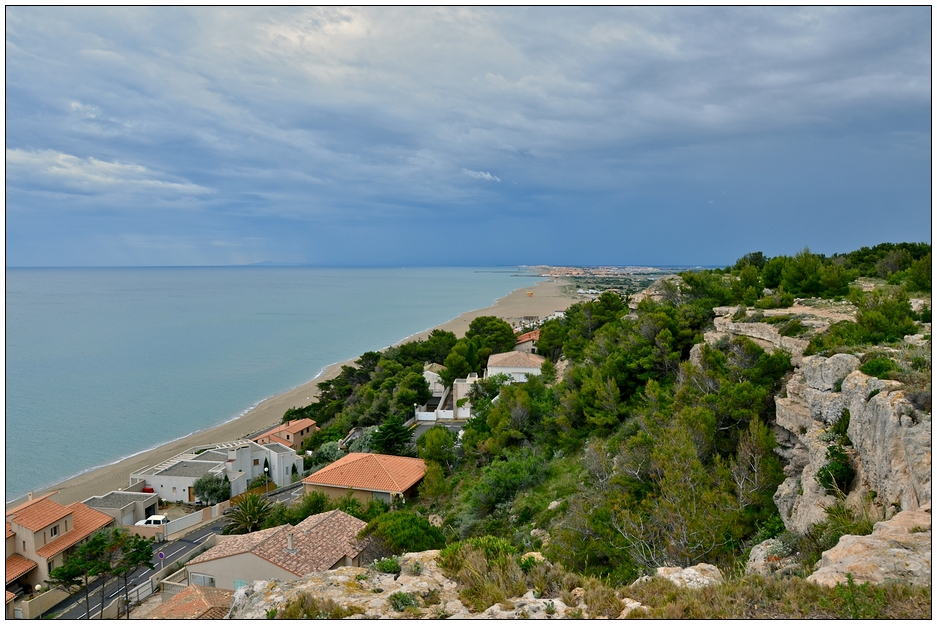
(240, 461)
(517, 365)
(39, 534)
(527, 342)
(125, 507)
(291, 434)
(318, 543)
(368, 476)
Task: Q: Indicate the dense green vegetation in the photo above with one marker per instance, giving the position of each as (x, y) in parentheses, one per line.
(635, 457)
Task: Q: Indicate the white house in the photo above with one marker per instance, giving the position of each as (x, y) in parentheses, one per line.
(517, 365)
(241, 461)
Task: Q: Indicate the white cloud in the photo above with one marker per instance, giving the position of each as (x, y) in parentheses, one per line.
(91, 175)
(480, 175)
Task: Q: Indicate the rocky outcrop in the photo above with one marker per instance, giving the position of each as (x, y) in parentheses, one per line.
(763, 334)
(696, 576)
(765, 559)
(897, 550)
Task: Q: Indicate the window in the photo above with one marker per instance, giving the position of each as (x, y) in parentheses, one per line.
(54, 531)
(256, 462)
(239, 583)
(202, 580)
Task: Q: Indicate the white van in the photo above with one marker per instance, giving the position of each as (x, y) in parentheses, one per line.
(155, 519)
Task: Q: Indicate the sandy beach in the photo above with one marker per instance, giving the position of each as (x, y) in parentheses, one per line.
(540, 300)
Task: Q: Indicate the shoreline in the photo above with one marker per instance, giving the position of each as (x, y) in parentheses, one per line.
(547, 297)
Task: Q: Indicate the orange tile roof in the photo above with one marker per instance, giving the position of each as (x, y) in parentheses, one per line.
(30, 502)
(17, 566)
(298, 425)
(10, 596)
(374, 472)
(319, 542)
(515, 359)
(293, 427)
(195, 602)
(533, 335)
(39, 513)
(86, 522)
(10, 531)
(276, 439)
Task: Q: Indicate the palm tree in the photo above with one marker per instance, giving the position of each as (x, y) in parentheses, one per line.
(249, 515)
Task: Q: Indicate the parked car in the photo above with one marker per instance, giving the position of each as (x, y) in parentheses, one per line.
(154, 519)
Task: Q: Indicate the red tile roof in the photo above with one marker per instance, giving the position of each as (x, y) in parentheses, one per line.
(17, 566)
(528, 336)
(293, 427)
(374, 472)
(195, 602)
(38, 513)
(29, 503)
(10, 596)
(319, 542)
(10, 531)
(86, 522)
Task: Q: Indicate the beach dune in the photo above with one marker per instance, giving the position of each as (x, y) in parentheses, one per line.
(540, 300)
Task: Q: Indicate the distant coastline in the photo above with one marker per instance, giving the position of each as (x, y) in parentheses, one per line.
(541, 299)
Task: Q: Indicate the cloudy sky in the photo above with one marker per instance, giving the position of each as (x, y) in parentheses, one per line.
(451, 136)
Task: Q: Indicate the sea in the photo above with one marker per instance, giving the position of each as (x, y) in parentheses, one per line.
(105, 363)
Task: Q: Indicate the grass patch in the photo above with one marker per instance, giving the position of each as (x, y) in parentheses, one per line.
(305, 606)
(765, 598)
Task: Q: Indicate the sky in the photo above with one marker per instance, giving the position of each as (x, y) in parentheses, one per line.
(463, 136)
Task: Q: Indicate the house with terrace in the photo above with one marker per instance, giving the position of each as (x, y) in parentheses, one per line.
(240, 461)
(516, 365)
(39, 534)
(318, 543)
(368, 476)
(291, 434)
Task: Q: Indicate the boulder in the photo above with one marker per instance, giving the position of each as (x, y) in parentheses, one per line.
(897, 550)
(696, 576)
(765, 560)
(823, 373)
(630, 606)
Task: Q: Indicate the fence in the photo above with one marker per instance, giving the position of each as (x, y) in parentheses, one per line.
(200, 516)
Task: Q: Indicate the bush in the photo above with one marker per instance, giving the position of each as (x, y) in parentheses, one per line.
(502, 479)
(878, 367)
(778, 300)
(402, 531)
(386, 565)
(400, 601)
(836, 475)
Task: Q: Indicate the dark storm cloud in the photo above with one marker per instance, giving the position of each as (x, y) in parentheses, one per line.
(360, 136)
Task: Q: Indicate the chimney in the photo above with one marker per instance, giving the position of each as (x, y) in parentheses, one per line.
(289, 542)
(30, 494)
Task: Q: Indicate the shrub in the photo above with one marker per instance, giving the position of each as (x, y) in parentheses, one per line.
(840, 429)
(400, 601)
(502, 479)
(307, 606)
(836, 475)
(386, 565)
(402, 531)
(878, 367)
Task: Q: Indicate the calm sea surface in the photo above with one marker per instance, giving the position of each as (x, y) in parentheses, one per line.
(105, 363)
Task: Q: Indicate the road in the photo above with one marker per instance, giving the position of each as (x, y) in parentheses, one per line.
(179, 549)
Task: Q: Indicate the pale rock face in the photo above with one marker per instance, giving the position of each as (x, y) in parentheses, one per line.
(696, 576)
(823, 373)
(894, 452)
(897, 550)
(764, 560)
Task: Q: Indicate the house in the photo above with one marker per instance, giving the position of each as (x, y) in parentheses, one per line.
(446, 403)
(291, 434)
(40, 533)
(195, 602)
(368, 476)
(318, 543)
(517, 365)
(125, 507)
(527, 342)
(240, 461)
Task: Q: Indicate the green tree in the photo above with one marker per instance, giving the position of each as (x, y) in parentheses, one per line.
(134, 551)
(552, 336)
(437, 444)
(249, 515)
(90, 560)
(434, 484)
(919, 274)
(496, 334)
(392, 437)
(211, 489)
(402, 531)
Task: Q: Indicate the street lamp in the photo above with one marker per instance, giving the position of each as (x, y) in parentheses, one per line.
(266, 480)
(39, 599)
